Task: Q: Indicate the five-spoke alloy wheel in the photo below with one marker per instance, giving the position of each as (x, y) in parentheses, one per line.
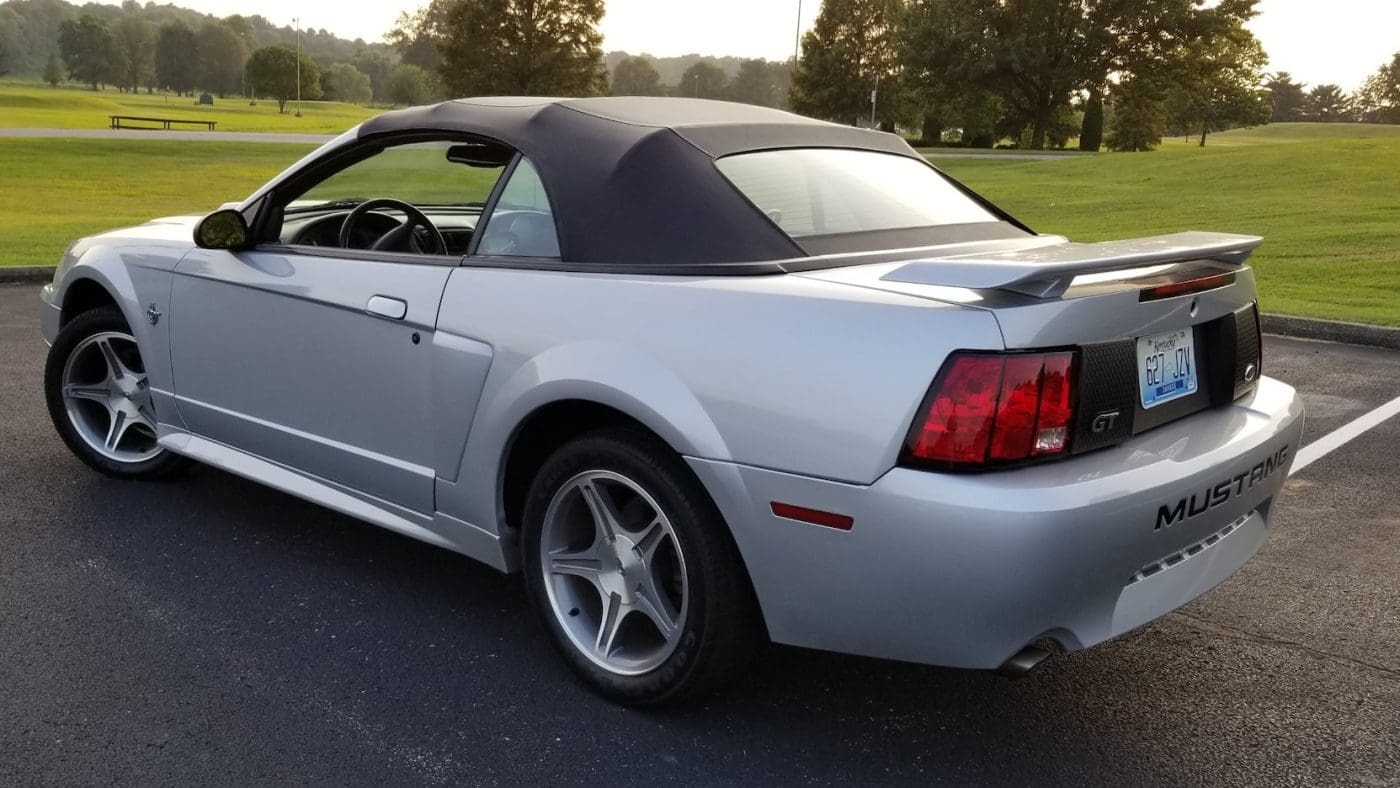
(99, 397)
(615, 572)
(633, 570)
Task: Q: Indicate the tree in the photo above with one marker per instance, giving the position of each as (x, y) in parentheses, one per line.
(133, 42)
(636, 76)
(759, 82)
(408, 84)
(221, 56)
(1328, 104)
(14, 40)
(176, 58)
(1091, 131)
(1286, 98)
(1138, 116)
(1217, 73)
(512, 47)
(1032, 54)
(87, 48)
(344, 82)
(1035, 56)
(851, 51)
(703, 80)
(272, 71)
(1378, 100)
(416, 36)
(53, 72)
(376, 66)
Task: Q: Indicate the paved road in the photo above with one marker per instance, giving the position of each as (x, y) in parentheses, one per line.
(199, 136)
(212, 631)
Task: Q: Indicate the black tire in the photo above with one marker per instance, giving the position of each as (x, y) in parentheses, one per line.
(722, 626)
(96, 321)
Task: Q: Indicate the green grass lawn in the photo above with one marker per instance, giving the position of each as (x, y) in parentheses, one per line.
(1013, 152)
(27, 105)
(1326, 198)
(53, 191)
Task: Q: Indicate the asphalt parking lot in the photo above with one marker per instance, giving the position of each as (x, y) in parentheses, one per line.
(210, 630)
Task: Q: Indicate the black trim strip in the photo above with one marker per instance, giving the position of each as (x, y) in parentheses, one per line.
(367, 255)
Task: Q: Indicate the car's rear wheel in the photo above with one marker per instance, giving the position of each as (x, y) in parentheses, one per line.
(633, 570)
(99, 397)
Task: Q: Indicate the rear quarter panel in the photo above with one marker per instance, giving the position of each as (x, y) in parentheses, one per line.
(778, 372)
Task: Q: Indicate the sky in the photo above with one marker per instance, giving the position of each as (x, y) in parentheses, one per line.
(1339, 41)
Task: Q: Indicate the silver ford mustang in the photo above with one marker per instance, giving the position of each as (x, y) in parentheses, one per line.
(707, 374)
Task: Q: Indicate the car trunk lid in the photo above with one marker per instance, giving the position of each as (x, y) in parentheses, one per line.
(1109, 302)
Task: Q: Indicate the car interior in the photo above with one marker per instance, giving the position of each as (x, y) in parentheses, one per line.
(428, 198)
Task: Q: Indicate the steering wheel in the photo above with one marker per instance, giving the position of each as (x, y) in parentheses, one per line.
(401, 238)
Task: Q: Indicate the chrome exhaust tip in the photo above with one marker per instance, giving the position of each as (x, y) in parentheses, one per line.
(1023, 662)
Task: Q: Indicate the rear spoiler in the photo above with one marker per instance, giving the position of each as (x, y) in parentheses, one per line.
(1047, 271)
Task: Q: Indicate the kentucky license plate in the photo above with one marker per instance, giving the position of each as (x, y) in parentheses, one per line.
(1166, 366)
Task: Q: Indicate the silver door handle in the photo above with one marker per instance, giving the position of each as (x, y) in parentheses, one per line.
(384, 306)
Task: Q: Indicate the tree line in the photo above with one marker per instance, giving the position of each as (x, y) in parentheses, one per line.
(553, 47)
(1039, 73)
(167, 48)
(1376, 101)
(1042, 72)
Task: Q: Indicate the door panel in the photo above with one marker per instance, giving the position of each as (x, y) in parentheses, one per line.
(299, 359)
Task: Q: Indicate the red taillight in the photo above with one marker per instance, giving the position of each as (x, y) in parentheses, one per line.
(995, 408)
(1014, 428)
(1056, 405)
(957, 425)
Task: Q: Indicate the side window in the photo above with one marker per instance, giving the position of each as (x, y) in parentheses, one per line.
(522, 224)
(422, 191)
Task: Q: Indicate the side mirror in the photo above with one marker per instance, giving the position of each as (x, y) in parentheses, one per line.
(222, 229)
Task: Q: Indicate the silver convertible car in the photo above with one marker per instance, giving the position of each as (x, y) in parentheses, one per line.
(708, 374)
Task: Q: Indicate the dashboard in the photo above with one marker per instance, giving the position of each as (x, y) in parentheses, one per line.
(322, 228)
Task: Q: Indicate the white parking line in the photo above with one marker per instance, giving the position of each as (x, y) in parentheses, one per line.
(1337, 438)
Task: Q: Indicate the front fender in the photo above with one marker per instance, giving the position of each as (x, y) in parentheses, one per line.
(136, 277)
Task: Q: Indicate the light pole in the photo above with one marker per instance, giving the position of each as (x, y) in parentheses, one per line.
(296, 20)
(874, 95)
(797, 39)
(243, 78)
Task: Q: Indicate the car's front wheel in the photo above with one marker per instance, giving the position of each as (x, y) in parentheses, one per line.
(99, 397)
(634, 572)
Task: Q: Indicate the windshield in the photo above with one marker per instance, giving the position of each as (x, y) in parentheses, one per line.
(831, 191)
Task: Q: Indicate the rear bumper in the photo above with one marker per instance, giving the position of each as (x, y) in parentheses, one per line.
(965, 570)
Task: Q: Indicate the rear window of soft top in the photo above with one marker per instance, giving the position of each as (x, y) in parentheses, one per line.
(832, 191)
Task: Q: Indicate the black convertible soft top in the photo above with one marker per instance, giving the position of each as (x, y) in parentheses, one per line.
(632, 180)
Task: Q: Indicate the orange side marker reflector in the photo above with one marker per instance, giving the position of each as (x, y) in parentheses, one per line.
(787, 511)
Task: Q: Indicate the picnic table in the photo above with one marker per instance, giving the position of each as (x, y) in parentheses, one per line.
(118, 122)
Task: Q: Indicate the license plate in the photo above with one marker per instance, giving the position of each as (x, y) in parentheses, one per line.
(1166, 366)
